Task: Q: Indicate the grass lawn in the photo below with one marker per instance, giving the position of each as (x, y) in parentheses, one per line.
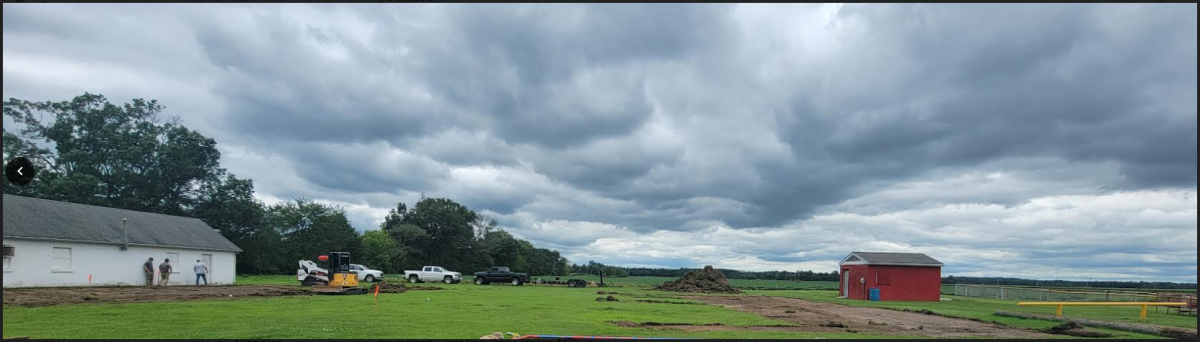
(982, 308)
(460, 311)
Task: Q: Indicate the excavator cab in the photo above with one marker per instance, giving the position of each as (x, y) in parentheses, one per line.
(339, 268)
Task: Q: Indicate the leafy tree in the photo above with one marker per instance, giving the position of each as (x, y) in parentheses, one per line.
(116, 156)
(309, 229)
(230, 207)
(380, 251)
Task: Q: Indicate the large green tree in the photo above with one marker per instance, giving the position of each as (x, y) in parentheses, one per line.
(381, 252)
(309, 229)
(122, 156)
(230, 207)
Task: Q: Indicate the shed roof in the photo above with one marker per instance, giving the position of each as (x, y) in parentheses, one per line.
(34, 218)
(894, 259)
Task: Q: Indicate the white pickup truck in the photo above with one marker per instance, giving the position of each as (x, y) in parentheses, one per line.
(433, 273)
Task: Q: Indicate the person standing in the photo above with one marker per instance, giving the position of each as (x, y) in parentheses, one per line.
(164, 270)
(148, 268)
(201, 272)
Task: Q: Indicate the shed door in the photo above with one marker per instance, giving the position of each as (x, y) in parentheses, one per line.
(207, 260)
(846, 283)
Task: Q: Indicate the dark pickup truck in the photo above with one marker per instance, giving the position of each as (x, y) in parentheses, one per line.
(501, 275)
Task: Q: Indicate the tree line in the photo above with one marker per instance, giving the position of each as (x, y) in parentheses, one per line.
(128, 157)
(596, 268)
(736, 274)
(950, 280)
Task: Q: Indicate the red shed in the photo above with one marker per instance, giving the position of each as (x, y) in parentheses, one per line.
(898, 276)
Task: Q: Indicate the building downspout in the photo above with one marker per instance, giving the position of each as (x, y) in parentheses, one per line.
(125, 229)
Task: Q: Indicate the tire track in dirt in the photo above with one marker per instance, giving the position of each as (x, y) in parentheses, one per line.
(835, 318)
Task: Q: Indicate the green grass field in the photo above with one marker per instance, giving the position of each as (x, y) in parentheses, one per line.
(982, 308)
(460, 311)
(470, 311)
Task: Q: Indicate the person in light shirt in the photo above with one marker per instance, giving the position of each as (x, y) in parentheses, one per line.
(201, 272)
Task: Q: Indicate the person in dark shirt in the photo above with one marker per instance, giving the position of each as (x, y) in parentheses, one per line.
(148, 268)
(164, 270)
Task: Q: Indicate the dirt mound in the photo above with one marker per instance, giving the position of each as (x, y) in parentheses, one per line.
(1074, 329)
(138, 294)
(401, 288)
(609, 299)
(707, 280)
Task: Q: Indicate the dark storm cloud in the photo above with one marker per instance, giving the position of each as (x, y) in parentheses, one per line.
(557, 78)
(599, 128)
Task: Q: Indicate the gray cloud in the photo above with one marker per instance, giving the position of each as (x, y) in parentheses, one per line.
(600, 128)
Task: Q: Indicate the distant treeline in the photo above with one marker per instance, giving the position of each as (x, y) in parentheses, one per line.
(595, 268)
(735, 274)
(1067, 283)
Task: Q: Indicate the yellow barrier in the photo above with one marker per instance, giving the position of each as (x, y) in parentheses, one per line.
(1058, 312)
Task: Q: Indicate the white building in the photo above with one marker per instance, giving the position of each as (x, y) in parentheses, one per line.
(51, 243)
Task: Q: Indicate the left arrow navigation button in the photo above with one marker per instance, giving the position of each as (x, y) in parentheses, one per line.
(19, 171)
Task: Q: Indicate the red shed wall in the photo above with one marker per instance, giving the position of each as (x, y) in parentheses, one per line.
(856, 289)
(907, 283)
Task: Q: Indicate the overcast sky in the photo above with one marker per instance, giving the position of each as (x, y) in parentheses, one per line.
(1034, 141)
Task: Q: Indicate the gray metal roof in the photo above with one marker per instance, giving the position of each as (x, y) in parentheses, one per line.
(899, 259)
(34, 218)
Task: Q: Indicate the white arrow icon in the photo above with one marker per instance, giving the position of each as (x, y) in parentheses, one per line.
(19, 171)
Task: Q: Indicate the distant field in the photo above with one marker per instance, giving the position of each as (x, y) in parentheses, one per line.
(949, 289)
(743, 283)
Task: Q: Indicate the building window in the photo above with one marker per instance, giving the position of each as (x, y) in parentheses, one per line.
(883, 277)
(60, 259)
(8, 255)
(175, 262)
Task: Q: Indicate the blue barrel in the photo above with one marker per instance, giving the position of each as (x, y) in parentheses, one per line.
(874, 294)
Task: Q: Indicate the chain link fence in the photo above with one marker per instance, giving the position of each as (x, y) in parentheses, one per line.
(1047, 295)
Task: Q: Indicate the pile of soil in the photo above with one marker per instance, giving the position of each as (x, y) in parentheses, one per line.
(401, 288)
(707, 280)
(1074, 329)
(609, 299)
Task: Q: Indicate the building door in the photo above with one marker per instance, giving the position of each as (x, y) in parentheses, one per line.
(207, 260)
(846, 283)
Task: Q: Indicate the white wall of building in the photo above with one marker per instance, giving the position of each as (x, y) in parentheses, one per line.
(34, 264)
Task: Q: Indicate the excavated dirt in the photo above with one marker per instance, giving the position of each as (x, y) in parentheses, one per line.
(1074, 329)
(651, 301)
(707, 280)
(825, 317)
(76, 295)
(401, 288)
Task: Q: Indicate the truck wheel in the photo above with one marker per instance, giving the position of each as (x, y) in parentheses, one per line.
(480, 281)
(370, 279)
(448, 280)
(517, 282)
(414, 279)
